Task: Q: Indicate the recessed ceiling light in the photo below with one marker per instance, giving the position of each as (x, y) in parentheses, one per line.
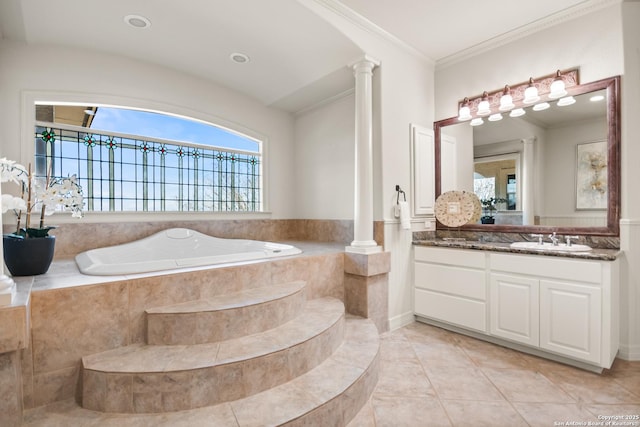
(137, 21)
(239, 58)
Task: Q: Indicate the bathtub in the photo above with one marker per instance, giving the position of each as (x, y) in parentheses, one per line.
(176, 248)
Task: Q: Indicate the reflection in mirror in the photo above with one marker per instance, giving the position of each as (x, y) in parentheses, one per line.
(552, 169)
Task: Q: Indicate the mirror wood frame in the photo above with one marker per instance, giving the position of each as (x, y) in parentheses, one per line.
(612, 85)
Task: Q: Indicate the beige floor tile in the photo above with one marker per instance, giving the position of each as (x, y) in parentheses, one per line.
(442, 354)
(396, 351)
(479, 414)
(462, 383)
(488, 355)
(548, 414)
(409, 411)
(403, 379)
(526, 386)
(420, 332)
(588, 387)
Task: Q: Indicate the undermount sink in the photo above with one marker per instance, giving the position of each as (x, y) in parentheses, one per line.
(545, 246)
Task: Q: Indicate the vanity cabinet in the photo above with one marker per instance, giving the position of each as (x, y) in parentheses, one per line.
(451, 286)
(558, 306)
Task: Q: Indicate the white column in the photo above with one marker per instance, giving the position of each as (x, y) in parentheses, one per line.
(363, 209)
(7, 285)
(527, 181)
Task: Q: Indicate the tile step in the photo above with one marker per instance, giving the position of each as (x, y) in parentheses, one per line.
(159, 378)
(331, 394)
(226, 316)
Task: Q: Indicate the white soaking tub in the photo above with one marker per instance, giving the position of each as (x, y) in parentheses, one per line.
(176, 248)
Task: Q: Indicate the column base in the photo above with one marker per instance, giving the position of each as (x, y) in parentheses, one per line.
(374, 249)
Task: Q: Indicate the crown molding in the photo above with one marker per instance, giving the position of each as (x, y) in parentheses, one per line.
(360, 21)
(585, 8)
(322, 103)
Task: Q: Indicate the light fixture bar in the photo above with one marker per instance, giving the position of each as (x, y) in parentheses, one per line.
(498, 100)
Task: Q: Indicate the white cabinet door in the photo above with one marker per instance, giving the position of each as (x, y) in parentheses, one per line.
(423, 169)
(514, 308)
(570, 319)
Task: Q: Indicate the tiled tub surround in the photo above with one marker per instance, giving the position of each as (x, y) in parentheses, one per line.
(73, 315)
(14, 337)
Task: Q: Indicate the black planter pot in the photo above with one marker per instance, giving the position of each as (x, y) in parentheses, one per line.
(28, 257)
(488, 220)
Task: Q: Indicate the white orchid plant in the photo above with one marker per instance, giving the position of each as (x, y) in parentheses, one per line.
(46, 196)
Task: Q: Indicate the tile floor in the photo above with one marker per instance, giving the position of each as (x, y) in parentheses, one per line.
(433, 377)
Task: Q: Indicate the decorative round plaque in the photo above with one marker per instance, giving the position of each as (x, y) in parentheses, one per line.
(457, 208)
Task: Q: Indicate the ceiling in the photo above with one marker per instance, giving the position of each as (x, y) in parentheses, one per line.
(296, 57)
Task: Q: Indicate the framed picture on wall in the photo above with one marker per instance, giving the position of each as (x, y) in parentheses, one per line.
(591, 176)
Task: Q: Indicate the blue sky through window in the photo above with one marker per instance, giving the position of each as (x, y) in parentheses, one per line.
(163, 126)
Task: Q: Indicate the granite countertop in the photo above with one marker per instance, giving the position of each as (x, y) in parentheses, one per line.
(594, 254)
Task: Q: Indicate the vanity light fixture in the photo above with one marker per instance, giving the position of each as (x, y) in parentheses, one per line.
(465, 112)
(531, 93)
(541, 106)
(517, 112)
(596, 98)
(512, 99)
(484, 108)
(567, 100)
(557, 89)
(506, 100)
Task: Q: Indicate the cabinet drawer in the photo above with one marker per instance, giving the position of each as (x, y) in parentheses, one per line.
(540, 266)
(466, 258)
(459, 281)
(451, 309)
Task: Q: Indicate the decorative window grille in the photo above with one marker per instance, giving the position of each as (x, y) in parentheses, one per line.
(121, 172)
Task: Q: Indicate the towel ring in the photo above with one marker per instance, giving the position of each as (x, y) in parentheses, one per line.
(399, 190)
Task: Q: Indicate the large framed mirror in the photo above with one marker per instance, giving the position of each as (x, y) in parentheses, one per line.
(552, 170)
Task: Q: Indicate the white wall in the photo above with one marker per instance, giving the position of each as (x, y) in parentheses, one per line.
(593, 42)
(324, 161)
(630, 224)
(560, 166)
(74, 72)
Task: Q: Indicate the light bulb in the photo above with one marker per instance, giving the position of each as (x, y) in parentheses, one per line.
(517, 112)
(465, 112)
(506, 100)
(557, 87)
(484, 107)
(495, 117)
(477, 121)
(531, 93)
(541, 106)
(563, 102)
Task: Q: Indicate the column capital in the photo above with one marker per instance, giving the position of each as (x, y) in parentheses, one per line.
(366, 61)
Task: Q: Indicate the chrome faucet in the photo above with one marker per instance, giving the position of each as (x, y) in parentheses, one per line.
(539, 237)
(554, 239)
(568, 239)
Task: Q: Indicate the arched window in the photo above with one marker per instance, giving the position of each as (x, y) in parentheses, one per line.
(134, 160)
